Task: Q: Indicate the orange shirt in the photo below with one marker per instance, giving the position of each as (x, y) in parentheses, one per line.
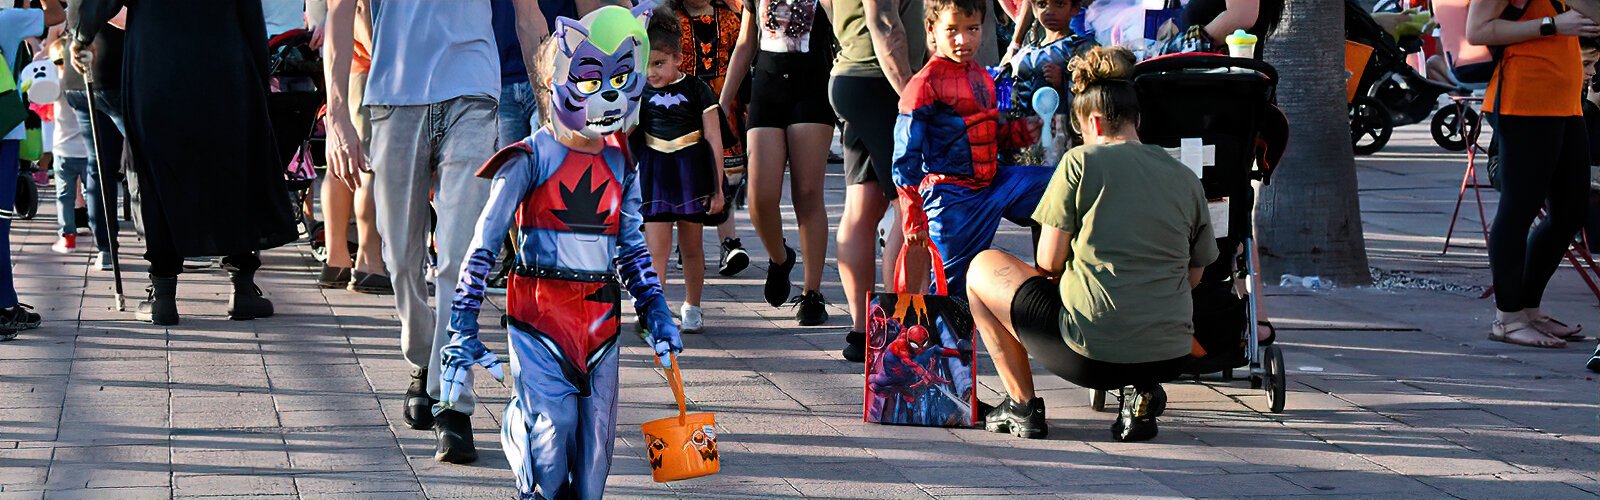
(1539, 77)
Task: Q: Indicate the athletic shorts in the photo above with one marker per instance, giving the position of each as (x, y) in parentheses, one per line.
(1036, 316)
(785, 92)
(868, 106)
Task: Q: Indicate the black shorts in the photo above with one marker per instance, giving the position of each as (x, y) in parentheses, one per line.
(785, 92)
(1036, 315)
(868, 106)
(702, 219)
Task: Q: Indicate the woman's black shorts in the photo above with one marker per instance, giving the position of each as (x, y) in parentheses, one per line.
(785, 92)
(1036, 316)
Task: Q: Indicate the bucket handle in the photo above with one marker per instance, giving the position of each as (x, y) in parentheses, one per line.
(940, 284)
(675, 379)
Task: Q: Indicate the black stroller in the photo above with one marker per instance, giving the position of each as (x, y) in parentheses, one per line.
(296, 95)
(1391, 93)
(1225, 103)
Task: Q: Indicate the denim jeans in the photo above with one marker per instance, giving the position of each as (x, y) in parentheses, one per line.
(416, 150)
(109, 148)
(518, 112)
(69, 171)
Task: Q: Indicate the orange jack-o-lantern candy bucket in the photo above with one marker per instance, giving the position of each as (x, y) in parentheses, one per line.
(684, 446)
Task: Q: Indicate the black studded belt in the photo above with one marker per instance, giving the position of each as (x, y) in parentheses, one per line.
(562, 274)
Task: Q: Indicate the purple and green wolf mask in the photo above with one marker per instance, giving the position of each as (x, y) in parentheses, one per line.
(599, 71)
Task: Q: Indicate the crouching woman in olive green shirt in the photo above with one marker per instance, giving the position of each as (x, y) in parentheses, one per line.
(1126, 235)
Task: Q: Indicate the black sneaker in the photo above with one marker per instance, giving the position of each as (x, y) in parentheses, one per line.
(7, 334)
(734, 258)
(778, 284)
(1024, 421)
(1594, 361)
(453, 429)
(19, 317)
(678, 255)
(812, 308)
(855, 347)
(418, 412)
(1136, 421)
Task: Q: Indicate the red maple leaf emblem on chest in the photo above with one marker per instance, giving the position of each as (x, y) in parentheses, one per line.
(582, 196)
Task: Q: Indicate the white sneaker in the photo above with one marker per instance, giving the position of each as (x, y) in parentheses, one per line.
(103, 261)
(693, 320)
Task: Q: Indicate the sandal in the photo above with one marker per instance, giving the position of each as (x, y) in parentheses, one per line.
(1555, 328)
(1263, 342)
(1524, 334)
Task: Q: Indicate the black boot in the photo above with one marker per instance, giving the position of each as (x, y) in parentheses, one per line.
(1024, 421)
(453, 430)
(418, 412)
(247, 302)
(162, 306)
(1136, 421)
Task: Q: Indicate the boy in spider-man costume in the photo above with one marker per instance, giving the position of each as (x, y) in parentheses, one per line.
(946, 139)
(901, 369)
(574, 197)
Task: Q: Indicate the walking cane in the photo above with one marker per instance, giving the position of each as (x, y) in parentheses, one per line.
(105, 204)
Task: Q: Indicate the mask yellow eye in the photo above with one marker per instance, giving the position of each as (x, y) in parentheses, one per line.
(588, 86)
(620, 80)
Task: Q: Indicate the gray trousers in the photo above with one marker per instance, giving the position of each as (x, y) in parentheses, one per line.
(416, 150)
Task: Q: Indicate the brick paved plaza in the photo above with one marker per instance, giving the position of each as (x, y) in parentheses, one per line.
(1395, 392)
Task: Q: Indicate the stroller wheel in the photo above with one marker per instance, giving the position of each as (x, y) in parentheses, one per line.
(1370, 125)
(1097, 400)
(1277, 383)
(1451, 125)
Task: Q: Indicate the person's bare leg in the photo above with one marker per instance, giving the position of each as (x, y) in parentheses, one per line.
(808, 164)
(728, 229)
(658, 238)
(858, 247)
(768, 154)
(895, 239)
(336, 200)
(694, 261)
(992, 283)
(369, 243)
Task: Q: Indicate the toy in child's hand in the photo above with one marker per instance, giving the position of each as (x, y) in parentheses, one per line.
(39, 82)
(1045, 102)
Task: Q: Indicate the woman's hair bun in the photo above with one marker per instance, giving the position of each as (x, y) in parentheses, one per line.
(1100, 65)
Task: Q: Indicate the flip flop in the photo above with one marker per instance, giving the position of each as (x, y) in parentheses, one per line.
(1509, 333)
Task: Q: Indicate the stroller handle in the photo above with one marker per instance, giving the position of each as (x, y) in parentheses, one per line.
(1192, 61)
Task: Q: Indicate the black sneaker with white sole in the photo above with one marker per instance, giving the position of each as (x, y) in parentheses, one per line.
(418, 412)
(734, 258)
(1020, 420)
(1594, 361)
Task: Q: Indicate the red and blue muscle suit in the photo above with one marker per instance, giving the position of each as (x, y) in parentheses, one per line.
(946, 141)
(578, 230)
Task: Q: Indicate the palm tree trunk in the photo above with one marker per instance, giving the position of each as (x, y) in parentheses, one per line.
(1309, 218)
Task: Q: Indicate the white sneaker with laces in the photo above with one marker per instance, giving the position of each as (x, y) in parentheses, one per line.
(693, 320)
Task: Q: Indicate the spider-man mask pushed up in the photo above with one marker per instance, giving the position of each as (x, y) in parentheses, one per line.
(598, 72)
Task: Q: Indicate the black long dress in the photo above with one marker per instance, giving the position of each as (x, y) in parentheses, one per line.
(194, 92)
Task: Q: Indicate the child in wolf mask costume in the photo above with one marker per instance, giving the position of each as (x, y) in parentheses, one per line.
(573, 193)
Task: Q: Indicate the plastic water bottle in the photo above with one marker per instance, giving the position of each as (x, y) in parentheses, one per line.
(1312, 282)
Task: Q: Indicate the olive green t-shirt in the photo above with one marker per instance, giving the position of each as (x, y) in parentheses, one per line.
(857, 57)
(1139, 222)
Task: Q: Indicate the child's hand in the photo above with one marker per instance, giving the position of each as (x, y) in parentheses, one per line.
(717, 203)
(1052, 74)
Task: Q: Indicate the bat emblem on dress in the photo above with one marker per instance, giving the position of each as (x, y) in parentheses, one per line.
(668, 100)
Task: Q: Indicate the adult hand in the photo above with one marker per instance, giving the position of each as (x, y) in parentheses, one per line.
(1571, 23)
(346, 160)
(317, 33)
(82, 57)
(463, 351)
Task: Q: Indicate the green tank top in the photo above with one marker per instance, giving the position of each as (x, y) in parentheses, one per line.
(856, 55)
